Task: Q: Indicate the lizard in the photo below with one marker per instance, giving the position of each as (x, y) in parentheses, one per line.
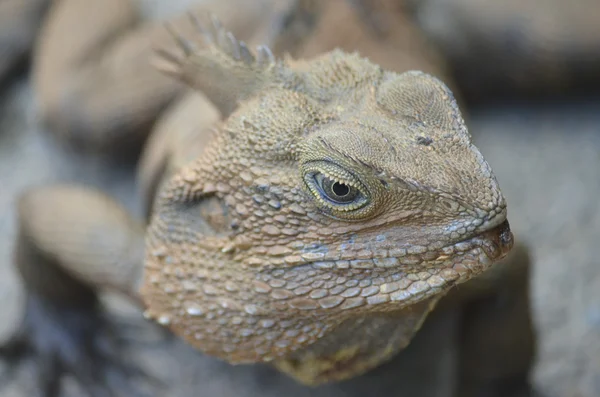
(315, 228)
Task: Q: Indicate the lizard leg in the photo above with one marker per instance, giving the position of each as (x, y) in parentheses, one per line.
(497, 346)
(71, 242)
(97, 88)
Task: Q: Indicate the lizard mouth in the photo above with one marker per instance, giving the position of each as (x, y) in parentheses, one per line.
(407, 280)
(470, 258)
(496, 242)
(465, 259)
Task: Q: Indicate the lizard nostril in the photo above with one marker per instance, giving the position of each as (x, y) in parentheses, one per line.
(506, 236)
(502, 237)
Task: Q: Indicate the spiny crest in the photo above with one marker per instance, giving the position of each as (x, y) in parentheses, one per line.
(213, 34)
(210, 59)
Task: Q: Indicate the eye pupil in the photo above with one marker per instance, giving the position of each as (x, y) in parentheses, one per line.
(340, 189)
(337, 191)
(334, 191)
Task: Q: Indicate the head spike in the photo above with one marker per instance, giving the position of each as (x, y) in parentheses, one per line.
(212, 60)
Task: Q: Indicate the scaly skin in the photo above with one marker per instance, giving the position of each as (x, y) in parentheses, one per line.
(281, 269)
(278, 272)
(180, 136)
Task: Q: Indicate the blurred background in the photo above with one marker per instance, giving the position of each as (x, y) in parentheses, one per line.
(527, 74)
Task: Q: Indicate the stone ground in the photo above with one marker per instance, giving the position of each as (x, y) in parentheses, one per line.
(547, 159)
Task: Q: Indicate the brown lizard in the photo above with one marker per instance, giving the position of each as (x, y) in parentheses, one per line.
(316, 228)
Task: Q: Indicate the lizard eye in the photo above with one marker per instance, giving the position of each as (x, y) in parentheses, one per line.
(338, 192)
(334, 187)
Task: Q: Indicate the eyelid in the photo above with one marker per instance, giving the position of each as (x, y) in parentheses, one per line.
(334, 172)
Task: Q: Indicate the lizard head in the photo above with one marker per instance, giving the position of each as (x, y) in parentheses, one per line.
(333, 191)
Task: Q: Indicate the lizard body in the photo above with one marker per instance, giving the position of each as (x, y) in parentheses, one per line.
(249, 261)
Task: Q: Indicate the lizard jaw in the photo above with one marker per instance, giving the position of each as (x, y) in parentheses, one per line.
(411, 279)
(495, 240)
